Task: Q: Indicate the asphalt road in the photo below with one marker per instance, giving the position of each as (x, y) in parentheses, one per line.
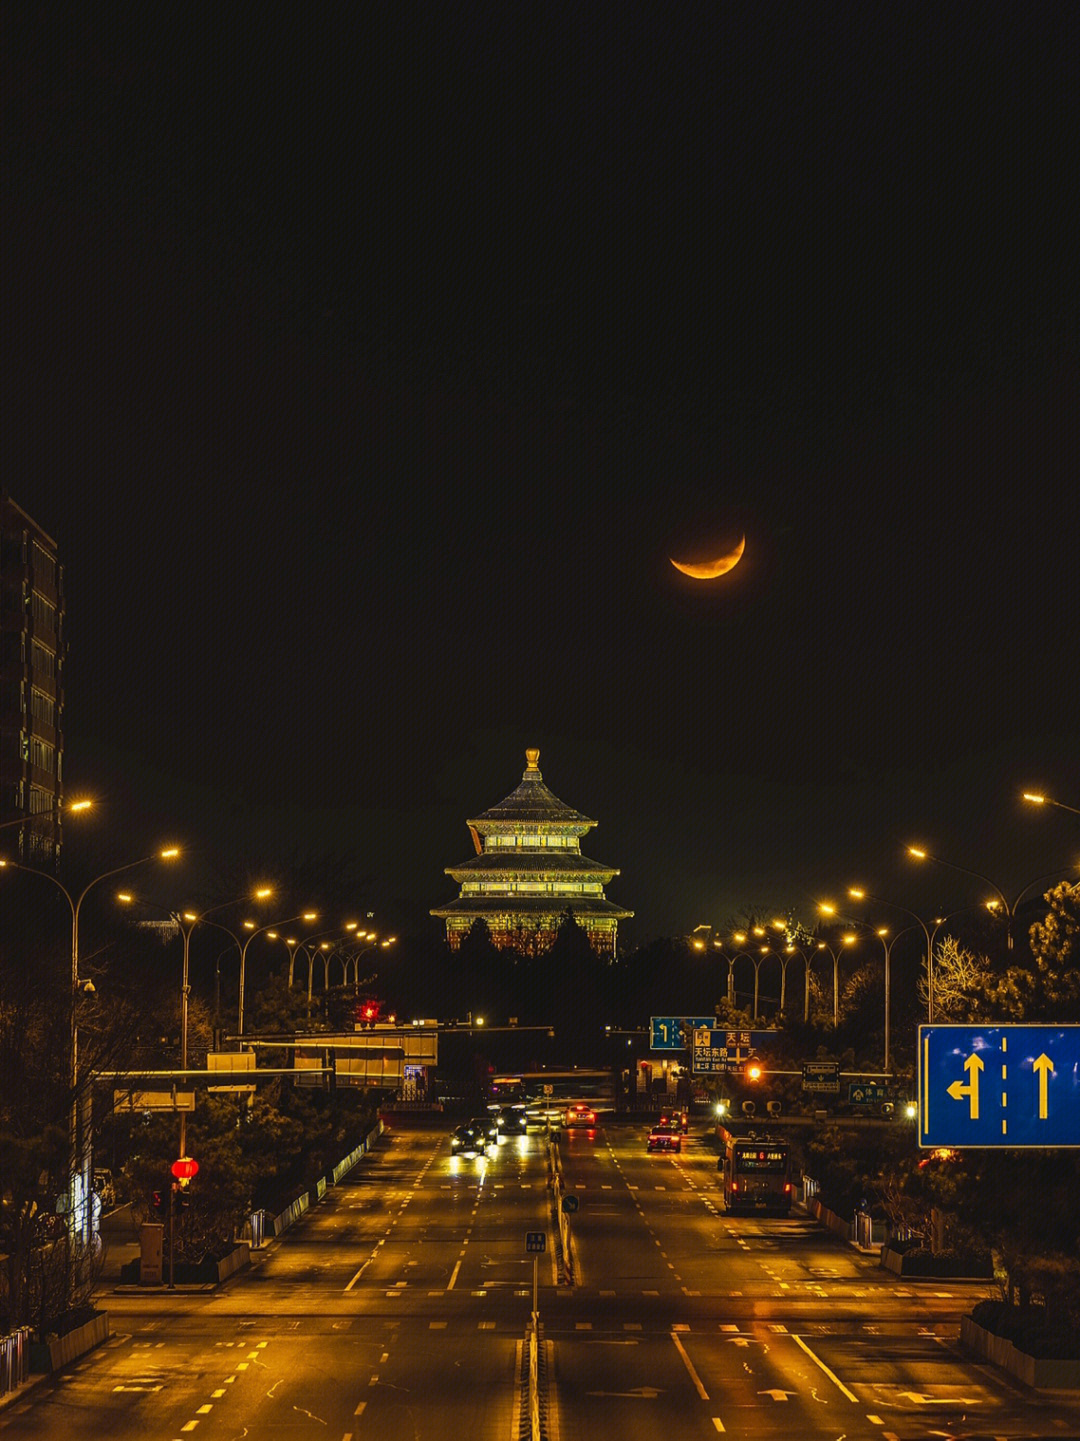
(398, 1309)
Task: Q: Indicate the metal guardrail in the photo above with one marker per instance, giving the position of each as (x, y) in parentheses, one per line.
(14, 1359)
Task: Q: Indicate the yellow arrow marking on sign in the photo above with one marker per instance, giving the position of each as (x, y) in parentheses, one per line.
(1044, 1065)
(973, 1066)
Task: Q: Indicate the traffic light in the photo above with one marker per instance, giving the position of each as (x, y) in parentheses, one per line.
(181, 1199)
(159, 1201)
(368, 1013)
(753, 1070)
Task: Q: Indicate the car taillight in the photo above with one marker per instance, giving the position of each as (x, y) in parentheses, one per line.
(734, 1185)
(787, 1186)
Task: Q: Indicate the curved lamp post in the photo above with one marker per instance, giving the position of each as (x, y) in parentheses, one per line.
(1039, 800)
(354, 959)
(887, 943)
(186, 922)
(836, 952)
(739, 939)
(259, 931)
(917, 853)
(79, 1151)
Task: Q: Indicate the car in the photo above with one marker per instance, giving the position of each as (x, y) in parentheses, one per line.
(470, 1140)
(579, 1114)
(663, 1136)
(489, 1126)
(544, 1115)
(512, 1121)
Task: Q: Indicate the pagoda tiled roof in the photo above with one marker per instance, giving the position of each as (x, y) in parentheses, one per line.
(531, 802)
(532, 862)
(532, 906)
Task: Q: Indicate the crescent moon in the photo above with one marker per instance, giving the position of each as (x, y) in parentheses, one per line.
(710, 569)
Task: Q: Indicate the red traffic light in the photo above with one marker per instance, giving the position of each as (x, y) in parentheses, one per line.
(185, 1169)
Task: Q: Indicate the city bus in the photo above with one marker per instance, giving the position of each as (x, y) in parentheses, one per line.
(756, 1166)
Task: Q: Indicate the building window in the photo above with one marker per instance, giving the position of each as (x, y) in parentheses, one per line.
(43, 659)
(44, 563)
(41, 801)
(42, 706)
(42, 754)
(44, 613)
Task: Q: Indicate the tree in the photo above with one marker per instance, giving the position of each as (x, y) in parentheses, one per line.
(47, 1271)
(962, 982)
(1055, 946)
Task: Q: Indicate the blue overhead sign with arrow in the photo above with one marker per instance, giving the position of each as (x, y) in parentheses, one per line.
(999, 1086)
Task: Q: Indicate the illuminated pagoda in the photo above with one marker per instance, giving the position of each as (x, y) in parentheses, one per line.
(528, 871)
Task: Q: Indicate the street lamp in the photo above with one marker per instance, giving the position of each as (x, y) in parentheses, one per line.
(309, 954)
(739, 938)
(887, 943)
(1039, 800)
(186, 922)
(835, 952)
(1010, 910)
(258, 931)
(75, 808)
(374, 945)
(79, 1148)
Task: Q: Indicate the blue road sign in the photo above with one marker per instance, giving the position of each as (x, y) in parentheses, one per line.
(710, 1051)
(716, 1052)
(535, 1241)
(999, 1086)
(667, 1031)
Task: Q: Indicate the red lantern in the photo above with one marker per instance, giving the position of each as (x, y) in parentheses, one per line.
(185, 1169)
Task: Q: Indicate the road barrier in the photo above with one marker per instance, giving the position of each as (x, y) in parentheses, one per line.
(14, 1359)
(534, 1380)
(562, 1221)
(293, 1212)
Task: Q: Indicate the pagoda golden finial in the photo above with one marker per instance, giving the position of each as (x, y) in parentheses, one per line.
(532, 755)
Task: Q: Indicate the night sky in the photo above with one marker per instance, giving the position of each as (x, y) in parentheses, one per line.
(368, 365)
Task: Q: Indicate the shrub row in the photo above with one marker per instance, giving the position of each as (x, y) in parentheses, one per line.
(1032, 1329)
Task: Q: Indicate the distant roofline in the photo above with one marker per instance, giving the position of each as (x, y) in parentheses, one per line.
(14, 505)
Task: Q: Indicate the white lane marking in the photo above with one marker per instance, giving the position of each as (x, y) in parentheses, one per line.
(689, 1367)
(831, 1374)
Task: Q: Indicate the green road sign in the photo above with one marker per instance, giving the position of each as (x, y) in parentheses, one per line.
(821, 1076)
